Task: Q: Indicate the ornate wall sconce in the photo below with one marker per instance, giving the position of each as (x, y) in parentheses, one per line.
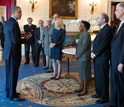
(33, 2)
(93, 4)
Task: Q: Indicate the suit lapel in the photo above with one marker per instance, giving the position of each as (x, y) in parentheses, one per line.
(100, 31)
(116, 34)
(98, 34)
(17, 25)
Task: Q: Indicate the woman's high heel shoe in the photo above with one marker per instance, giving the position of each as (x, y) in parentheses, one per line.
(78, 91)
(57, 78)
(82, 94)
(53, 76)
(46, 67)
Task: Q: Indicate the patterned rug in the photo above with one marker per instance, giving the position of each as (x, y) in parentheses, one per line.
(42, 90)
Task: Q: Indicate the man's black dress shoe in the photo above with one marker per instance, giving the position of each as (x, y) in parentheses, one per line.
(17, 99)
(49, 71)
(101, 101)
(16, 95)
(94, 96)
(7, 96)
(26, 63)
(107, 105)
(36, 65)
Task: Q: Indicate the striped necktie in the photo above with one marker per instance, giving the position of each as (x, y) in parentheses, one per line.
(119, 27)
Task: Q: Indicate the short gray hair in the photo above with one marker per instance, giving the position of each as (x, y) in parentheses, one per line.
(14, 8)
(105, 16)
(121, 5)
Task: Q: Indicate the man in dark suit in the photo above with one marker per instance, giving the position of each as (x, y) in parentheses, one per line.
(117, 61)
(2, 23)
(30, 28)
(12, 51)
(101, 56)
(39, 43)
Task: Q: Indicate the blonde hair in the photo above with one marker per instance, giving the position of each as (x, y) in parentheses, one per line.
(61, 23)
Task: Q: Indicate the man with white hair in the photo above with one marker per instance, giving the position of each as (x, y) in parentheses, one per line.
(55, 18)
(117, 61)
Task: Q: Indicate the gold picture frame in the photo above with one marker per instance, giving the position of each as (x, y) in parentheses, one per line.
(67, 9)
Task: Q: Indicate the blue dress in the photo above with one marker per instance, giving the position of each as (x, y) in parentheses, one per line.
(58, 38)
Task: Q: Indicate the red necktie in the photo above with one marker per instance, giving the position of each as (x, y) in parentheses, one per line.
(29, 27)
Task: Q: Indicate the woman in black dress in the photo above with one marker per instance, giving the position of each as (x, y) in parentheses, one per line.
(56, 44)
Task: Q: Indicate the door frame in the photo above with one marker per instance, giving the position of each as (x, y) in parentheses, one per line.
(5, 12)
(109, 7)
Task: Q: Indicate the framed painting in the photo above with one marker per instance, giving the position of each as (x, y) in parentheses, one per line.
(67, 9)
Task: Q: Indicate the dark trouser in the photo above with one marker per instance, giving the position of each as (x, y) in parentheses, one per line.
(2, 40)
(117, 87)
(27, 51)
(101, 71)
(38, 49)
(50, 62)
(12, 67)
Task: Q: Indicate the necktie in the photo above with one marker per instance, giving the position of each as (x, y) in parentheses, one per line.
(29, 27)
(41, 33)
(119, 27)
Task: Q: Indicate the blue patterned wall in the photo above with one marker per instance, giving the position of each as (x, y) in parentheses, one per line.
(70, 39)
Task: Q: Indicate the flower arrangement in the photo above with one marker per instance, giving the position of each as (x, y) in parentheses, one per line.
(94, 27)
(93, 22)
(75, 22)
